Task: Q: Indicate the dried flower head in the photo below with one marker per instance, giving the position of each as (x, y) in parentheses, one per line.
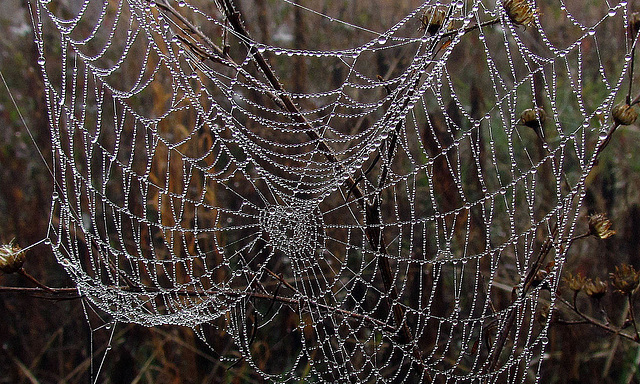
(634, 24)
(533, 118)
(623, 114)
(433, 19)
(599, 226)
(625, 279)
(575, 283)
(595, 288)
(520, 11)
(11, 257)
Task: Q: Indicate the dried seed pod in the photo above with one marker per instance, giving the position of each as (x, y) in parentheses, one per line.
(432, 20)
(576, 283)
(533, 118)
(520, 12)
(11, 257)
(623, 114)
(625, 279)
(599, 226)
(595, 289)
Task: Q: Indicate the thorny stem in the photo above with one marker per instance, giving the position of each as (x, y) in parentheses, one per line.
(591, 321)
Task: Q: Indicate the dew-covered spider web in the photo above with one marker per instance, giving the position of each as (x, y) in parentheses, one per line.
(359, 191)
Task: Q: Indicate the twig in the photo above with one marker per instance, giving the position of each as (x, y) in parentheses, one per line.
(41, 293)
(586, 234)
(55, 293)
(633, 317)
(472, 28)
(24, 273)
(590, 320)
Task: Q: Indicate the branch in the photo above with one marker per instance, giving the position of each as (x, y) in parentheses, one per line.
(72, 293)
(590, 320)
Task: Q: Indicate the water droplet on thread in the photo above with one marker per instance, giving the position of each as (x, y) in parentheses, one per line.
(382, 40)
(603, 135)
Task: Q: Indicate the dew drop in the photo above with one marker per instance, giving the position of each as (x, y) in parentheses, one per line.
(382, 40)
(41, 61)
(603, 135)
(612, 12)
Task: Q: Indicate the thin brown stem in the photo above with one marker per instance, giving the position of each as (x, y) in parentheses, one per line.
(586, 234)
(633, 317)
(633, 56)
(591, 321)
(42, 293)
(35, 281)
(72, 293)
(472, 28)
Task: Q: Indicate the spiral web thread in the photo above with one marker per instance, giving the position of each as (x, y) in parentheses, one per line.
(367, 228)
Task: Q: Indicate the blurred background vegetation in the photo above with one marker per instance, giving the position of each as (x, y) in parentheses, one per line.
(50, 340)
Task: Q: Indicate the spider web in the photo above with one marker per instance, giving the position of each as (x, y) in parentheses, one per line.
(387, 221)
